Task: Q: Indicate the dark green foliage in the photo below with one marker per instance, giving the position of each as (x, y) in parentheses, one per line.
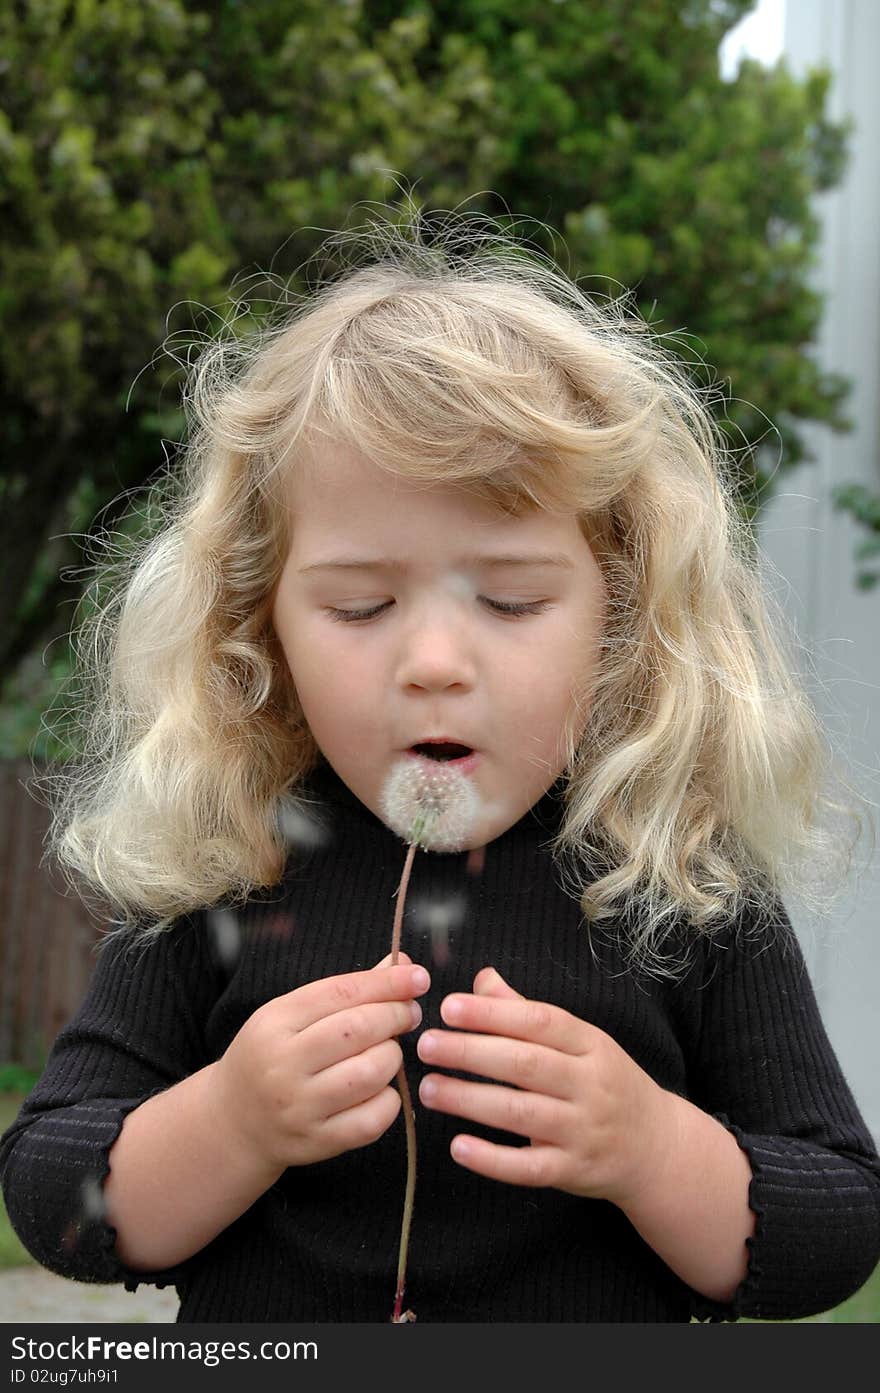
(15, 1078)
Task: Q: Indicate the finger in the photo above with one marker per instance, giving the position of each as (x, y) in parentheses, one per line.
(535, 1166)
(519, 1019)
(346, 1034)
(520, 1062)
(360, 1125)
(510, 1109)
(354, 1081)
(489, 982)
(329, 995)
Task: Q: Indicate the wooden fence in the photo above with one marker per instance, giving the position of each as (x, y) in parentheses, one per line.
(47, 937)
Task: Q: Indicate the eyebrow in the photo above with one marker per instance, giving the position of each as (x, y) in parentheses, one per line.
(385, 563)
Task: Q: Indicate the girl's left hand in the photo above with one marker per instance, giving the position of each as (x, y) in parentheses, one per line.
(599, 1126)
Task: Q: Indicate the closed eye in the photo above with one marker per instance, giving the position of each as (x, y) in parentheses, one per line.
(515, 607)
(511, 608)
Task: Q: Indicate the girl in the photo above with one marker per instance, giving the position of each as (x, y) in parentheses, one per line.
(448, 501)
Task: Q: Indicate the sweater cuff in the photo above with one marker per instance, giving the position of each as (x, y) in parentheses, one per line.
(816, 1215)
(68, 1154)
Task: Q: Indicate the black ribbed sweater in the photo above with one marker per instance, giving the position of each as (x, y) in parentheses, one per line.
(740, 1035)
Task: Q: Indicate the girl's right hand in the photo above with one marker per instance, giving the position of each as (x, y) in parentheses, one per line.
(309, 1074)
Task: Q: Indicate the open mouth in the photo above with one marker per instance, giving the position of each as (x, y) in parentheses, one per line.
(442, 752)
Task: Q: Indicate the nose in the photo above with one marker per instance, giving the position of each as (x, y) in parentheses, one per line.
(436, 651)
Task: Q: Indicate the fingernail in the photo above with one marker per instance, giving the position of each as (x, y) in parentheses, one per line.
(452, 1008)
(420, 979)
(425, 1044)
(416, 1011)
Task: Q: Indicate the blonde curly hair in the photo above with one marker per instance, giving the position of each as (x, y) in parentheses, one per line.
(698, 789)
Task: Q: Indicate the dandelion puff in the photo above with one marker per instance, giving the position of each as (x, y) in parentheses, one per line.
(434, 808)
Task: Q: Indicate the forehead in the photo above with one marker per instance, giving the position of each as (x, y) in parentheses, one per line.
(340, 495)
(325, 474)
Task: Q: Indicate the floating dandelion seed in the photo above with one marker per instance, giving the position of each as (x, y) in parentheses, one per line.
(92, 1198)
(223, 925)
(92, 1210)
(71, 1235)
(476, 860)
(301, 830)
(280, 925)
(439, 918)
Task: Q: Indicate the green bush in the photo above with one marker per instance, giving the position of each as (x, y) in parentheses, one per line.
(14, 1078)
(158, 155)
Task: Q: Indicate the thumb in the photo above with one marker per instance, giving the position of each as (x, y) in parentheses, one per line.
(401, 958)
(489, 982)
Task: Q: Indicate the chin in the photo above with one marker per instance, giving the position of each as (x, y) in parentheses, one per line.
(494, 822)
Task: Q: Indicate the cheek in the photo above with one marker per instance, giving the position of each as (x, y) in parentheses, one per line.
(533, 696)
(301, 652)
(330, 674)
(539, 688)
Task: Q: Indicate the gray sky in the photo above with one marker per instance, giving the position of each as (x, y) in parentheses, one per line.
(758, 35)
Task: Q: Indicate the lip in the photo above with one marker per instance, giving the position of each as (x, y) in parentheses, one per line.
(464, 765)
(442, 740)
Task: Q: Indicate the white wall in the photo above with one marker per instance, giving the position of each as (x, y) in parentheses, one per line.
(811, 545)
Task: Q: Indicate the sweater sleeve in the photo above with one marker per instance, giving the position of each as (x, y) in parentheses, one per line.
(137, 1032)
(766, 1070)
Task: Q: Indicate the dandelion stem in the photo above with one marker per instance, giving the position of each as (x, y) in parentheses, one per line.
(401, 898)
(410, 1124)
(408, 1117)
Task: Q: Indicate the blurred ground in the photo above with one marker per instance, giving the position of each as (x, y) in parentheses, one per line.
(34, 1294)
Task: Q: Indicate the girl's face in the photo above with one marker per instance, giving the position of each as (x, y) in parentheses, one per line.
(413, 641)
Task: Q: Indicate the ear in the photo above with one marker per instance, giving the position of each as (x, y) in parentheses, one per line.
(489, 982)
